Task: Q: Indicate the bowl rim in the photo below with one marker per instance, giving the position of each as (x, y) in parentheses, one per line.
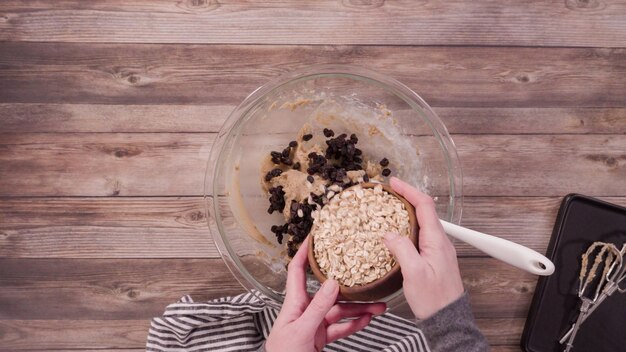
(390, 84)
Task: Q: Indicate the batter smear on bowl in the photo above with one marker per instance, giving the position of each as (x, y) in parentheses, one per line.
(309, 172)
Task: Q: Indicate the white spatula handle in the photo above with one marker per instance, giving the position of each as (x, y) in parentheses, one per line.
(506, 251)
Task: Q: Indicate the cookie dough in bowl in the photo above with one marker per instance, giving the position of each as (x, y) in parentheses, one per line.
(277, 137)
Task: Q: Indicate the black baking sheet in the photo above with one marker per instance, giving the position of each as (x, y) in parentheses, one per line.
(581, 221)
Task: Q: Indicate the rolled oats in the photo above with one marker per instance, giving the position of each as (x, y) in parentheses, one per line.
(348, 231)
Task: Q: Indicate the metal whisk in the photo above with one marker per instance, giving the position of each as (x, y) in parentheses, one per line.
(597, 282)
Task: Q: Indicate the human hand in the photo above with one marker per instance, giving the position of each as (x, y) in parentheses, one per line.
(306, 324)
(431, 277)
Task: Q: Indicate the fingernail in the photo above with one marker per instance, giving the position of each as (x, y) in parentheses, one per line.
(328, 287)
(390, 236)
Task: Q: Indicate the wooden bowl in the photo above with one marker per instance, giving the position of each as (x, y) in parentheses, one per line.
(384, 286)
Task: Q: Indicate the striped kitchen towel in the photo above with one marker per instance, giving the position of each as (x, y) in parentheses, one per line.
(242, 323)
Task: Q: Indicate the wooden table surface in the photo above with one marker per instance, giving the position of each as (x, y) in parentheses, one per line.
(108, 110)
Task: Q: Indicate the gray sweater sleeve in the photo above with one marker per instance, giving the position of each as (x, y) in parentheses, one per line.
(453, 329)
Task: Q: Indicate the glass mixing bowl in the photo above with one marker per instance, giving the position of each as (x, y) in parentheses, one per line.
(390, 120)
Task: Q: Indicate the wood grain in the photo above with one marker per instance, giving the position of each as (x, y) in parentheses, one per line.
(543, 165)
(95, 335)
(108, 110)
(120, 289)
(501, 331)
(73, 334)
(526, 23)
(70, 118)
(105, 228)
(226, 74)
(103, 164)
(176, 227)
(26, 117)
(174, 164)
(116, 289)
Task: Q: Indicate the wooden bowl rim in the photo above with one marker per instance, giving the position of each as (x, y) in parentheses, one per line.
(395, 270)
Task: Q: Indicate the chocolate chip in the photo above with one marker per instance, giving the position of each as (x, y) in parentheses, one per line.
(386, 172)
(310, 179)
(384, 162)
(293, 144)
(328, 132)
(307, 137)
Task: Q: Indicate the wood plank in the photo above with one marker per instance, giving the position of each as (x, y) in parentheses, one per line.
(35, 117)
(506, 23)
(226, 74)
(176, 227)
(141, 288)
(111, 289)
(73, 334)
(174, 164)
(533, 120)
(548, 165)
(502, 331)
(94, 335)
(26, 117)
(103, 164)
(105, 228)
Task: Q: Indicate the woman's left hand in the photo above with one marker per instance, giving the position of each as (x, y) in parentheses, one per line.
(306, 324)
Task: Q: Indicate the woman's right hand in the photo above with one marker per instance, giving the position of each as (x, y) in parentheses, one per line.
(431, 277)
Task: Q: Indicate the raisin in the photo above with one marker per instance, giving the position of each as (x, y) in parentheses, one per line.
(293, 144)
(307, 137)
(291, 251)
(366, 178)
(310, 179)
(296, 166)
(384, 162)
(328, 132)
(386, 172)
(277, 199)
